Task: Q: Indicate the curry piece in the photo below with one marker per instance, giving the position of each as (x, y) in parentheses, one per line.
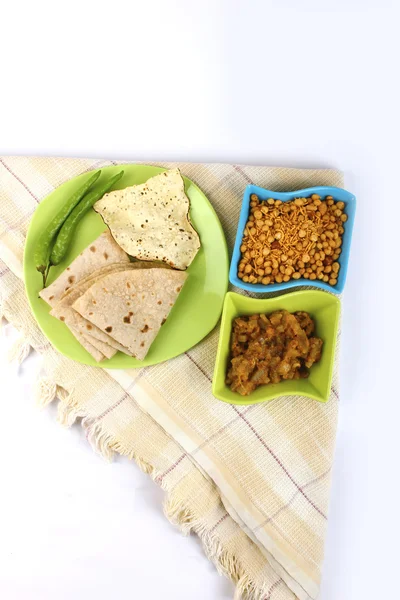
(269, 349)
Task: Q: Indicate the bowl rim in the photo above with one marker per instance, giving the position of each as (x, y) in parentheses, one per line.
(246, 400)
(345, 196)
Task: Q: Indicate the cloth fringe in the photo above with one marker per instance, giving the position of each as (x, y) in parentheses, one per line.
(45, 391)
(226, 563)
(175, 509)
(19, 350)
(2, 316)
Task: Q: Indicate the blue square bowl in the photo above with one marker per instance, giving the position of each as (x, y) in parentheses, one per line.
(338, 194)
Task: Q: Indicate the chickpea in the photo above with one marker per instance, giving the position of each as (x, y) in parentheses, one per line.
(245, 279)
(327, 269)
(270, 239)
(317, 202)
(275, 264)
(253, 254)
(319, 246)
(260, 271)
(278, 202)
(306, 275)
(325, 278)
(322, 208)
(259, 260)
(278, 235)
(282, 269)
(288, 271)
(313, 237)
(302, 233)
(305, 243)
(248, 269)
(267, 270)
(262, 237)
(299, 246)
(259, 223)
(253, 231)
(332, 281)
(278, 278)
(284, 258)
(306, 258)
(340, 205)
(271, 201)
(330, 201)
(254, 198)
(312, 260)
(337, 212)
(266, 251)
(343, 218)
(335, 267)
(266, 280)
(241, 266)
(313, 276)
(299, 202)
(252, 278)
(296, 275)
(258, 214)
(240, 275)
(247, 254)
(320, 276)
(341, 230)
(302, 271)
(315, 197)
(269, 222)
(290, 252)
(300, 264)
(322, 255)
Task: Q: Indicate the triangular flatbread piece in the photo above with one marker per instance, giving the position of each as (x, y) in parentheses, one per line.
(131, 305)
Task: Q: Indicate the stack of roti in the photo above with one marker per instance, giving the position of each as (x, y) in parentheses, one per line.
(111, 304)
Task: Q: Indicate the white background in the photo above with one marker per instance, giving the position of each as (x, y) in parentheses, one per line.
(291, 82)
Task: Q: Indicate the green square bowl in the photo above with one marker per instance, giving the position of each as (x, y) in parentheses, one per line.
(324, 308)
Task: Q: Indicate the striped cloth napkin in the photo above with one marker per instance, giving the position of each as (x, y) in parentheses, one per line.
(252, 482)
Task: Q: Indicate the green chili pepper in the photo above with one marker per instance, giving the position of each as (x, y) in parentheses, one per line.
(66, 232)
(42, 250)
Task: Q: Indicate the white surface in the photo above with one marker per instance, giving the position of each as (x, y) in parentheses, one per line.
(306, 84)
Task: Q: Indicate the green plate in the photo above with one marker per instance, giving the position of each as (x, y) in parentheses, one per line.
(324, 308)
(199, 305)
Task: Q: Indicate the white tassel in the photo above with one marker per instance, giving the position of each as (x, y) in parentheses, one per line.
(45, 391)
(19, 351)
(1, 312)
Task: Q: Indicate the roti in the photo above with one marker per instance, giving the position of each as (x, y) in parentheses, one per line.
(151, 221)
(132, 305)
(63, 309)
(103, 251)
